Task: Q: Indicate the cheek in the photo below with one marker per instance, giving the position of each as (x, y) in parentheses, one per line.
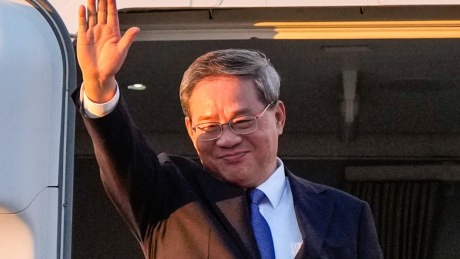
(262, 143)
(203, 148)
(267, 144)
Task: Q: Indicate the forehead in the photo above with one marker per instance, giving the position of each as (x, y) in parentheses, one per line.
(223, 96)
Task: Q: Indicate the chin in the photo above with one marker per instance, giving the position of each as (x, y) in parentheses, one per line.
(240, 174)
(234, 176)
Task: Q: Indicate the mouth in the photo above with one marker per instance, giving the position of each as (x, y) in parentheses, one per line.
(233, 157)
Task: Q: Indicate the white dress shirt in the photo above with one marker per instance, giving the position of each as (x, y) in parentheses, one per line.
(96, 110)
(277, 208)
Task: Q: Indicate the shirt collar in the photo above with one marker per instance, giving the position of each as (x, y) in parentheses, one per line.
(274, 186)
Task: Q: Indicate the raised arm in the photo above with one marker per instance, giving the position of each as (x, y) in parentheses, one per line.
(101, 50)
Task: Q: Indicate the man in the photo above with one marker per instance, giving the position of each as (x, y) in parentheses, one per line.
(240, 202)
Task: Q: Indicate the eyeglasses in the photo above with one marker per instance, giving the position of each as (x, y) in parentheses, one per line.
(240, 125)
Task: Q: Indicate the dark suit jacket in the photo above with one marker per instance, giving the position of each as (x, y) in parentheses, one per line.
(176, 209)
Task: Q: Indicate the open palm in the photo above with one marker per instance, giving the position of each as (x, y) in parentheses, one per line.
(101, 50)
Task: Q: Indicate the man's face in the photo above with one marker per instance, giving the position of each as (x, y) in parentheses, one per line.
(245, 160)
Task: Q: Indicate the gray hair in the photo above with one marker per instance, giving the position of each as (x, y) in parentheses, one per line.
(239, 62)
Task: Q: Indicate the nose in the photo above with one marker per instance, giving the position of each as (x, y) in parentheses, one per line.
(228, 138)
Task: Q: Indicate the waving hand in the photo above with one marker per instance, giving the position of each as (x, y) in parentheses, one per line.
(101, 50)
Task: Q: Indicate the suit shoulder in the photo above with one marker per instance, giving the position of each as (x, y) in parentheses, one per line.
(185, 166)
(340, 198)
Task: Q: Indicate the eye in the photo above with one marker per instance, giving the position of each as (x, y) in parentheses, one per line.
(243, 122)
(208, 127)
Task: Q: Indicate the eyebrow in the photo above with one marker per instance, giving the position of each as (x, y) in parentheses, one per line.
(204, 117)
(245, 111)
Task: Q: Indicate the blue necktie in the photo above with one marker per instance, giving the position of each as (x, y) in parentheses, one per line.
(260, 226)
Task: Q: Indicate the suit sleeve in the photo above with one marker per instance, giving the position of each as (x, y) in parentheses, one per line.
(368, 243)
(130, 171)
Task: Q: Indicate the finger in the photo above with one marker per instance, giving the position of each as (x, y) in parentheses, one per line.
(102, 11)
(92, 14)
(112, 13)
(82, 24)
(128, 39)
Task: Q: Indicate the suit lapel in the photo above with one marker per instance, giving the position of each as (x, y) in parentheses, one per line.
(230, 206)
(313, 213)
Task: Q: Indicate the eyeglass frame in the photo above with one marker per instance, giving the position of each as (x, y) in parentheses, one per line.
(221, 125)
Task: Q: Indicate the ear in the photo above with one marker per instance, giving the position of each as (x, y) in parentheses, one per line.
(280, 116)
(188, 124)
(191, 133)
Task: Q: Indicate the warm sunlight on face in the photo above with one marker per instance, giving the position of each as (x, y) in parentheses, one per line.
(245, 160)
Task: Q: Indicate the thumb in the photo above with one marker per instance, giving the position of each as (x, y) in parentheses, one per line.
(128, 38)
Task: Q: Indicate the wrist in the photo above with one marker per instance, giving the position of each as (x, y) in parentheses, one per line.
(100, 91)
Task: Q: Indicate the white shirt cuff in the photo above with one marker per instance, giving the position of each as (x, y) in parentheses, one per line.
(96, 110)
